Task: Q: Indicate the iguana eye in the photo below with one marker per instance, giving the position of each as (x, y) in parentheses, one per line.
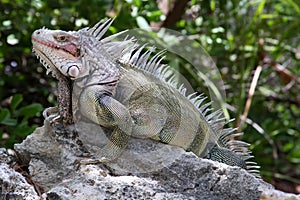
(61, 38)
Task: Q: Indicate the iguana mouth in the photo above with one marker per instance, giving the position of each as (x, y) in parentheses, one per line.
(68, 48)
(47, 63)
(44, 60)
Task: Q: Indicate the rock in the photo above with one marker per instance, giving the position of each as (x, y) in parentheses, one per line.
(146, 170)
(12, 184)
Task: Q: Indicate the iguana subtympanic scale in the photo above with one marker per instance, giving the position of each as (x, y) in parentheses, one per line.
(124, 89)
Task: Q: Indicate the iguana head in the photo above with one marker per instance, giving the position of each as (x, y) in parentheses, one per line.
(59, 50)
(76, 54)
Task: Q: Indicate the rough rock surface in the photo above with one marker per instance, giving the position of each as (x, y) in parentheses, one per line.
(166, 173)
(12, 184)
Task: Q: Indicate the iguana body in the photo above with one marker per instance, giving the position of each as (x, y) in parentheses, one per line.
(124, 89)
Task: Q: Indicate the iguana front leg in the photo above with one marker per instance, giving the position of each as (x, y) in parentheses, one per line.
(64, 110)
(64, 99)
(97, 104)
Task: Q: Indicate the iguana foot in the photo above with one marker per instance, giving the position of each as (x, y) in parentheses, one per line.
(51, 114)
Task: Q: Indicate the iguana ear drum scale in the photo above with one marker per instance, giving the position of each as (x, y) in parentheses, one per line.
(125, 88)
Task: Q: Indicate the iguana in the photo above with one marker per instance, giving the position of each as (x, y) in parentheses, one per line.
(124, 88)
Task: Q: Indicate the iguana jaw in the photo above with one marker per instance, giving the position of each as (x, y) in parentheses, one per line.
(57, 51)
(44, 60)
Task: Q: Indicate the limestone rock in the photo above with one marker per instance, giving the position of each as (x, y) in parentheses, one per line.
(146, 170)
(12, 184)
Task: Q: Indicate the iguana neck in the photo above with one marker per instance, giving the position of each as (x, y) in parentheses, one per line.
(102, 69)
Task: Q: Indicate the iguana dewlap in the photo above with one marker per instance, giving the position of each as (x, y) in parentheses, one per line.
(129, 91)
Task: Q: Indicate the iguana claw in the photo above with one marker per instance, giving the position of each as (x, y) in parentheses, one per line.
(51, 114)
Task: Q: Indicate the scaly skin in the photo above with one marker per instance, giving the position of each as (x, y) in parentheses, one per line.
(131, 96)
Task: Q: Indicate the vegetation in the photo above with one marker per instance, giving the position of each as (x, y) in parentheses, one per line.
(255, 45)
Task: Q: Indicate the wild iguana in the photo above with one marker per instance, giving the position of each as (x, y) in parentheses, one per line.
(132, 93)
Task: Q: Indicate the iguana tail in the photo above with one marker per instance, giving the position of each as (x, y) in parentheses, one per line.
(233, 152)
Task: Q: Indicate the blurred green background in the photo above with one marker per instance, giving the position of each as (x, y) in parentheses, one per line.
(242, 37)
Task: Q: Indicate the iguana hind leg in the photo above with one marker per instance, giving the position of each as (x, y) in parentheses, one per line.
(97, 105)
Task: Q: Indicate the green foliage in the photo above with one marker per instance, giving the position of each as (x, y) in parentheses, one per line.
(239, 35)
(14, 120)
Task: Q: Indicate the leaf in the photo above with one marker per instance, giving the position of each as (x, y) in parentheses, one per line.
(259, 10)
(16, 100)
(10, 122)
(4, 114)
(22, 130)
(30, 110)
(5, 118)
(293, 5)
(137, 3)
(212, 5)
(142, 23)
